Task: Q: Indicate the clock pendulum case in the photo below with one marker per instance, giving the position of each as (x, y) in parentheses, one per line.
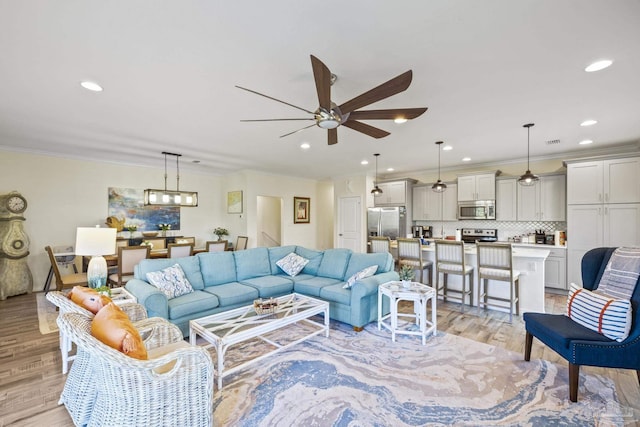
(15, 276)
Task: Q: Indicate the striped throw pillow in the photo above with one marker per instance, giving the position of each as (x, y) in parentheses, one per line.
(601, 313)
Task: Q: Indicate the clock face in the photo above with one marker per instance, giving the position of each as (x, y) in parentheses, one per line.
(16, 204)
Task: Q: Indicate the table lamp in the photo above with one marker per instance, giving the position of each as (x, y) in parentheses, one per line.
(96, 242)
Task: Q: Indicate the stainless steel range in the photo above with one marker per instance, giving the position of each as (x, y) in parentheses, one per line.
(470, 235)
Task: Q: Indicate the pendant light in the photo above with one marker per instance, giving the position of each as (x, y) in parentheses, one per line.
(528, 179)
(439, 186)
(376, 190)
(166, 197)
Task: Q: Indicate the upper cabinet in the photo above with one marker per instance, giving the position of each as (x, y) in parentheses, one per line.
(506, 199)
(395, 193)
(477, 187)
(545, 201)
(604, 181)
(431, 206)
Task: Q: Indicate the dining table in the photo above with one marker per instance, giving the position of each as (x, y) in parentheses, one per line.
(112, 260)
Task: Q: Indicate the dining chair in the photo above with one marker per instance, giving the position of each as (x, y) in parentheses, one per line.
(158, 243)
(410, 253)
(191, 240)
(495, 263)
(450, 259)
(128, 258)
(217, 246)
(179, 250)
(67, 280)
(241, 243)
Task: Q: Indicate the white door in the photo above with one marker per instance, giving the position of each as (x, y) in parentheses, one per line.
(350, 224)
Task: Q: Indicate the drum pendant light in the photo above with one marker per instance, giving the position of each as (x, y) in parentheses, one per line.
(528, 179)
(376, 190)
(439, 186)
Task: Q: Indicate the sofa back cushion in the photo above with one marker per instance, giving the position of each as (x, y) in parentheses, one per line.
(217, 267)
(252, 263)
(314, 257)
(190, 265)
(334, 263)
(276, 254)
(358, 262)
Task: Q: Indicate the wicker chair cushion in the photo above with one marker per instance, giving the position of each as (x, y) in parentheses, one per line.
(112, 326)
(88, 298)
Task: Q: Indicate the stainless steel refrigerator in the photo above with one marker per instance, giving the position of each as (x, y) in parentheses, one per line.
(390, 222)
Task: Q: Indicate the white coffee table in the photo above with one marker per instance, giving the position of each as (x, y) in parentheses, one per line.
(224, 329)
(420, 295)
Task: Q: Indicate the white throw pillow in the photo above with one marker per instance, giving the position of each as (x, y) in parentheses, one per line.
(292, 264)
(601, 313)
(171, 281)
(367, 272)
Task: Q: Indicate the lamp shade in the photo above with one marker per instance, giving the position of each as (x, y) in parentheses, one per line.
(95, 241)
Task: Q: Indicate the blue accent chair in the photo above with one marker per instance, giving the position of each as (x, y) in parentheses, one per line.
(580, 345)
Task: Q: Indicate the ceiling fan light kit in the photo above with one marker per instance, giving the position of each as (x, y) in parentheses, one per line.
(330, 116)
(155, 197)
(376, 190)
(528, 179)
(439, 186)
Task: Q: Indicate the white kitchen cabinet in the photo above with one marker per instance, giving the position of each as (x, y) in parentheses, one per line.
(477, 187)
(544, 201)
(427, 204)
(506, 200)
(419, 203)
(604, 181)
(393, 193)
(555, 269)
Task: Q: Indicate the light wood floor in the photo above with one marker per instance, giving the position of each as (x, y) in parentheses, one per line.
(31, 378)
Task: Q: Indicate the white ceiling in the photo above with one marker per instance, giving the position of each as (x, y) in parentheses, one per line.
(168, 68)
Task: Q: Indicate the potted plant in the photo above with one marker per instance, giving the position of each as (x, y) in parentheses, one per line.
(164, 228)
(220, 232)
(104, 290)
(406, 274)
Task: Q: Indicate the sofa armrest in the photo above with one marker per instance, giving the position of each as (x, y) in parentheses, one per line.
(368, 286)
(151, 297)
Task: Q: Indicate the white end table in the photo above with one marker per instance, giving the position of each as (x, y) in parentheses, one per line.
(420, 295)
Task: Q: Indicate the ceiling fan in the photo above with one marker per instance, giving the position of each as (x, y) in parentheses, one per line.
(329, 115)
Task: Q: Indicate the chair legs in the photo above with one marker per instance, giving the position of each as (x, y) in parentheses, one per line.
(463, 292)
(574, 375)
(513, 300)
(527, 347)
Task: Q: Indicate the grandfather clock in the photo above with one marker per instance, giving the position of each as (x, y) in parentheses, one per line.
(15, 276)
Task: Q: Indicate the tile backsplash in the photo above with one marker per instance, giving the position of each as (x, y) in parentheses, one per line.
(506, 229)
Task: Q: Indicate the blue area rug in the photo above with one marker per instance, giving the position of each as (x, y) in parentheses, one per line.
(364, 379)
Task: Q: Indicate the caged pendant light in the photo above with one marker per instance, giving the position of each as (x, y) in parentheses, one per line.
(439, 186)
(528, 179)
(376, 190)
(166, 197)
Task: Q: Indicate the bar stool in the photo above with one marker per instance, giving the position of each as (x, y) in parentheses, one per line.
(450, 260)
(410, 253)
(495, 262)
(380, 244)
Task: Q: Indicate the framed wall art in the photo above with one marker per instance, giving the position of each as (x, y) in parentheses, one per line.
(234, 202)
(128, 203)
(301, 210)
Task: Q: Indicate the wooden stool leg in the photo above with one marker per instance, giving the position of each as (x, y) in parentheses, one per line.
(527, 346)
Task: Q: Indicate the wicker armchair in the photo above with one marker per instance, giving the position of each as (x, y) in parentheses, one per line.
(173, 387)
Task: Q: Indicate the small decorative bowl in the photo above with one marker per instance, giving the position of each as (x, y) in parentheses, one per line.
(149, 233)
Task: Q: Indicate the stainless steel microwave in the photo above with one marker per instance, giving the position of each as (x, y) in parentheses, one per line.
(480, 209)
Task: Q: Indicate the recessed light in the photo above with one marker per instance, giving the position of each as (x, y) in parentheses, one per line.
(92, 86)
(585, 142)
(588, 123)
(305, 145)
(364, 162)
(390, 169)
(598, 65)
(447, 148)
(195, 161)
(400, 120)
(466, 159)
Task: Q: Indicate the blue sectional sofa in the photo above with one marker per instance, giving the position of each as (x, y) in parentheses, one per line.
(226, 280)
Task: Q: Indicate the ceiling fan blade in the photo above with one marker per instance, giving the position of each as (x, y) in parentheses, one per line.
(403, 113)
(366, 129)
(333, 136)
(291, 133)
(270, 120)
(274, 99)
(385, 90)
(322, 76)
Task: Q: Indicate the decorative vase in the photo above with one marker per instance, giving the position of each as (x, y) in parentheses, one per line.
(219, 238)
(406, 284)
(163, 233)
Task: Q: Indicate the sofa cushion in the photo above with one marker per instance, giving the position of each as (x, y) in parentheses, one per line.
(251, 263)
(314, 257)
(601, 313)
(313, 286)
(217, 267)
(270, 286)
(334, 263)
(336, 293)
(112, 326)
(292, 264)
(276, 253)
(233, 293)
(358, 262)
(171, 281)
(559, 330)
(362, 274)
(297, 278)
(190, 265)
(194, 302)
